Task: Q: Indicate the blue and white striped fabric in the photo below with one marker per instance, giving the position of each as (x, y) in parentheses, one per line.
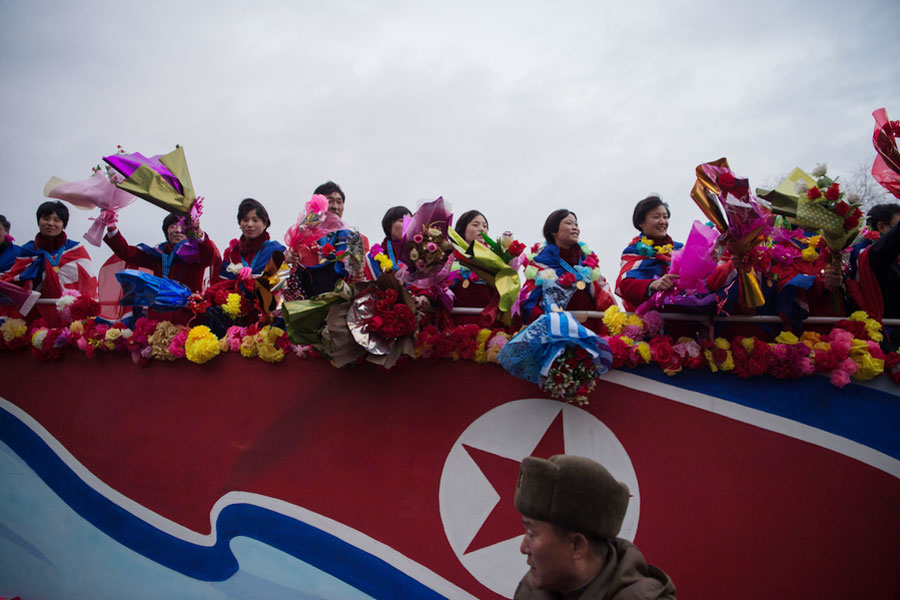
(531, 352)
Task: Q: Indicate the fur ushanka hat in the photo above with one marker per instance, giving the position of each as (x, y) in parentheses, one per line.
(573, 492)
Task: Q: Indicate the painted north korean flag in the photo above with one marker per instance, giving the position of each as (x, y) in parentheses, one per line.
(242, 479)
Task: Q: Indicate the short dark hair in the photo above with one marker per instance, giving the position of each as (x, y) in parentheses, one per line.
(248, 204)
(330, 187)
(881, 213)
(644, 206)
(170, 220)
(52, 207)
(392, 214)
(465, 219)
(551, 225)
(5, 223)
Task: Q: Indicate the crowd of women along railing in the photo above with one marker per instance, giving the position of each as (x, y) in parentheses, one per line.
(798, 256)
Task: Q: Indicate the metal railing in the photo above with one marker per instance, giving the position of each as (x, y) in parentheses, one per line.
(583, 315)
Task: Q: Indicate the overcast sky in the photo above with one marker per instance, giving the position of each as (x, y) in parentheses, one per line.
(513, 108)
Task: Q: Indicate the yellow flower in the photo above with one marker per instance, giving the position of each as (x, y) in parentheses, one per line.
(873, 328)
(786, 337)
(112, 334)
(614, 319)
(13, 328)
(709, 360)
(201, 345)
(269, 353)
(232, 306)
(77, 327)
(810, 254)
(822, 347)
(481, 339)
(384, 262)
(869, 366)
(729, 362)
(747, 343)
(722, 343)
(633, 319)
(859, 315)
(643, 348)
(627, 340)
(248, 346)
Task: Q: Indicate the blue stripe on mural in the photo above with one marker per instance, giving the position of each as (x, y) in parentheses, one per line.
(865, 415)
(358, 568)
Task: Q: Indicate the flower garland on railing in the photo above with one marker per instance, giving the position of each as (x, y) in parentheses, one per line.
(850, 351)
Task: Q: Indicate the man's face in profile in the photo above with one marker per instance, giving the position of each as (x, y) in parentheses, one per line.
(549, 556)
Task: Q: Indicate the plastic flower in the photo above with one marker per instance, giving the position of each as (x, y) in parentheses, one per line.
(232, 306)
(786, 337)
(810, 254)
(12, 329)
(201, 345)
(161, 338)
(614, 319)
(248, 346)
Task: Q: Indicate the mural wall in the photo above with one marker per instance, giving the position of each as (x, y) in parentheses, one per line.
(240, 479)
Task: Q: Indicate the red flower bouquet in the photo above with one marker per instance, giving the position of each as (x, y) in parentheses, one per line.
(572, 376)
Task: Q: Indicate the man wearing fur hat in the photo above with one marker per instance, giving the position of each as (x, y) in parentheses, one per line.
(572, 509)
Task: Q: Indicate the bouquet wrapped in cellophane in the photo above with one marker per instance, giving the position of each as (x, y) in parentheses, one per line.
(740, 219)
(98, 191)
(495, 262)
(816, 202)
(426, 251)
(886, 168)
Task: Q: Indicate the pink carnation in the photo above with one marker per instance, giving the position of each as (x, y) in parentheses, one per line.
(176, 346)
(317, 204)
(781, 351)
(849, 365)
(805, 366)
(841, 340)
(840, 378)
(498, 341)
(653, 321)
(635, 332)
(233, 336)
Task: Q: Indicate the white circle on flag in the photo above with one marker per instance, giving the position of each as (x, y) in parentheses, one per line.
(513, 431)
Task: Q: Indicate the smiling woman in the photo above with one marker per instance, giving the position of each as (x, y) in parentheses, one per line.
(254, 248)
(646, 260)
(565, 274)
(52, 263)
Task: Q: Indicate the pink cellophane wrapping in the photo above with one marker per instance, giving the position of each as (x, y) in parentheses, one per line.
(694, 262)
(886, 169)
(96, 191)
(315, 222)
(431, 214)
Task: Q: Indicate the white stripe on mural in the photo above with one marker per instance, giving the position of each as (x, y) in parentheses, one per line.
(760, 419)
